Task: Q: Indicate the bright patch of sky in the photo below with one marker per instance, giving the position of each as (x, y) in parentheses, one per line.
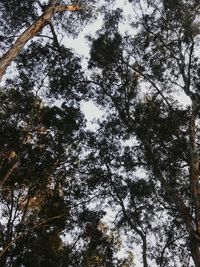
(92, 114)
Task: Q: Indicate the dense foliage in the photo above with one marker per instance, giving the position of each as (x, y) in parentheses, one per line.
(71, 196)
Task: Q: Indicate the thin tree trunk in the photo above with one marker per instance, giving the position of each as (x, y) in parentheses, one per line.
(194, 246)
(32, 31)
(195, 186)
(194, 169)
(144, 249)
(8, 174)
(133, 226)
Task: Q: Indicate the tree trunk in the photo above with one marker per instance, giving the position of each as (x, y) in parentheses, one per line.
(32, 31)
(195, 252)
(195, 161)
(144, 250)
(8, 174)
(182, 208)
(195, 186)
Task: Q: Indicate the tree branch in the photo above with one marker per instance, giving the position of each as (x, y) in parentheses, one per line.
(42, 224)
(32, 31)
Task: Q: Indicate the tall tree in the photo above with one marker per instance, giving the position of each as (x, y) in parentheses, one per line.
(44, 220)
(138, 82)
(142, 163)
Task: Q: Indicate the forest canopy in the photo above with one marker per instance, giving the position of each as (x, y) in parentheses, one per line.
(127, 193)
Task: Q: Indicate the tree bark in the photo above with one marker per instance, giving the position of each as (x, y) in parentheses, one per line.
(182, 208)
(194, 246)
(194, 169)
(32, 31)
(194, 181)
(8, 174)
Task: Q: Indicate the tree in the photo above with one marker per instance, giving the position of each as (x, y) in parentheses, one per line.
(49, 11)
(58, 180)
(42, 140)
(138, 87)
(42, 199)
(33, 199)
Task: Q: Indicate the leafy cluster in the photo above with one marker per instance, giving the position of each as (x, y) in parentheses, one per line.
(70, 196)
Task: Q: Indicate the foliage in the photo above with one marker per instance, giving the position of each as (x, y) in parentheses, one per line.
(75, 197)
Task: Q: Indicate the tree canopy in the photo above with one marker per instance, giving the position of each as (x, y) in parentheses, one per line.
(128, 191)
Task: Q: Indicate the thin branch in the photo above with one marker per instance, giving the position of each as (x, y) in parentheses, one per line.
(42, 224)
(151, 82)
(9, 173)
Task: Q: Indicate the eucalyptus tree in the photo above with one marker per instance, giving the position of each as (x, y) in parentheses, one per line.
(137, 80)
(21, 21)
(44, 218)
(36, 157)
(143, 162)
